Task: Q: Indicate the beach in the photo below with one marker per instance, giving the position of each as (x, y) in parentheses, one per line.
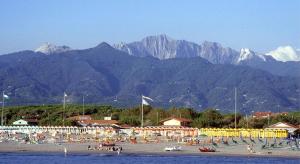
(150, 148)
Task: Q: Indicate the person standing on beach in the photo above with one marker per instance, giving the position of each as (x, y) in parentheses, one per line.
(248, 148)
(119, 150)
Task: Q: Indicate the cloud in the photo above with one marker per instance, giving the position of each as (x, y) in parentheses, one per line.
(285, 53)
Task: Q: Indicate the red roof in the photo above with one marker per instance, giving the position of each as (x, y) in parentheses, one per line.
(125, 126)
(176, 118)
(262, 114)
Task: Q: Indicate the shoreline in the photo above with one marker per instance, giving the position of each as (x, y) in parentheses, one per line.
(142, 149)
(167, 154)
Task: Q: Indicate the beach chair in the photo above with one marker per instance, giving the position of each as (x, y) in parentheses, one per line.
(260, 140)
(225, 142)
(218, 140)
(214, 144)
(146, 140)
(133, 141)
(272, 145)
(243, 140)
(252, 140)
(189, 143)
(234, 141)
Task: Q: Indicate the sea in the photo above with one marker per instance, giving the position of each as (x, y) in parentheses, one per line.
(53, 158)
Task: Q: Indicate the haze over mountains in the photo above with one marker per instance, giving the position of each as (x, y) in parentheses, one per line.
(172, 72)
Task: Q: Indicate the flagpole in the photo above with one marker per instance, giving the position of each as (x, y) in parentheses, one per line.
(64, 106)
(83, 105)
(142, 123)
(2, 108)
(235, 108)
(247, 120)
(146, 103)
(157, 118)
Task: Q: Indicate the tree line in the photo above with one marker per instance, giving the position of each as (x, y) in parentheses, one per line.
(52, 115)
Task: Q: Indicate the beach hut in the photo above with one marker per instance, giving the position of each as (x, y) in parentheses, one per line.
(282, 125)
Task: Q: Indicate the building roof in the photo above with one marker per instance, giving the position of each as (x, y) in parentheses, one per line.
(20, 122)
(262, 114)
(99, 122)
(80, 117)
(286, 125)
(125, 126)
(176, 118)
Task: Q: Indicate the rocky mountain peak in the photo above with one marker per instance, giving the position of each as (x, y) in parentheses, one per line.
(49, 48)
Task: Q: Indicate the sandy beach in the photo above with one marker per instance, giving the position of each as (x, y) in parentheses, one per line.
(151, 148)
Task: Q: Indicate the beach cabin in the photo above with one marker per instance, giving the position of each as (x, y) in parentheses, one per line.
(20, 122)
(167, 131)
(174, 121)
(282, 125)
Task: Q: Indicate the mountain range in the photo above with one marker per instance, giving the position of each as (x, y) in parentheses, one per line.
(164, 47)
(173, 73)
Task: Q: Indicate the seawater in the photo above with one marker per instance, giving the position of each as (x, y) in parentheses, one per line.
(53, 158)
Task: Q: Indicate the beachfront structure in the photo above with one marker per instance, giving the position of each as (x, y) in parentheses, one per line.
(262, 114)
(99, 123)
(174, 121)
(23, 122)
(167, 131)
(241, 132)
(40, 129)
(86, 120)
(282, 125)
(95, 131)
(171, 127)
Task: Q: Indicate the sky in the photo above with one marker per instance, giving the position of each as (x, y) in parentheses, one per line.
(261, 25)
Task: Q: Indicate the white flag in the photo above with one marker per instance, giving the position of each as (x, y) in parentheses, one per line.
(5, 96)
(65, 94)
(144, 102)
(148, 98)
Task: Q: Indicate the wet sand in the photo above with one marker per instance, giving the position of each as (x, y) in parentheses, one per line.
(151, 148)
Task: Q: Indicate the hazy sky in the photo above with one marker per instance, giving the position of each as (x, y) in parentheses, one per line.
(261, 25)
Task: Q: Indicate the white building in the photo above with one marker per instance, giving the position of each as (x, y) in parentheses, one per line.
(282, 125)
(173, 121)
(20, 122)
